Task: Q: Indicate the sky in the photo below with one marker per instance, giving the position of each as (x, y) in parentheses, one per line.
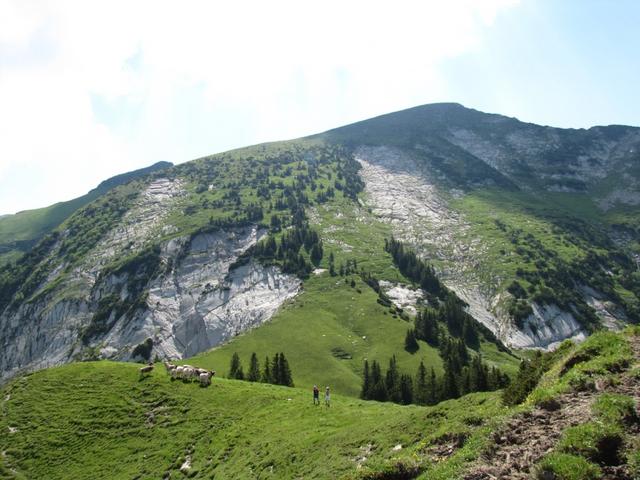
(92, 89)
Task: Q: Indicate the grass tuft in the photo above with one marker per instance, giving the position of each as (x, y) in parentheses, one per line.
(563, 466)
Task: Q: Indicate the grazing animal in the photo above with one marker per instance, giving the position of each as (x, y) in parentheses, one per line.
(189, 373)
(169, 366)
(146, 369)
(205, 378)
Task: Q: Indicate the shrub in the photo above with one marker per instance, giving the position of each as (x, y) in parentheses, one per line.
(143, 349)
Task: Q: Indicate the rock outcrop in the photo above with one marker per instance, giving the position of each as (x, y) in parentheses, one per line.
(402, 193)
(201, 298)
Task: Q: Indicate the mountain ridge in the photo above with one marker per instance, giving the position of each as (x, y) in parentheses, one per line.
(507, 218)
(22, 230)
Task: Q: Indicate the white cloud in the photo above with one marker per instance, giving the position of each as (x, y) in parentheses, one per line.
(282, 69)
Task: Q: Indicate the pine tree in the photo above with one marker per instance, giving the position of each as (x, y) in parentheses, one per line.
(275, 223)
(465, 381)
(406, 389)
(421, 394)
(432, 388)
(470, 333)
(366, 382)
(254, 369)
(450, 381)
(479, 375)
(463, 353)
(235, 365)
(410, 342)
(378, 390)
(316, 253)
(426, 326)
(266, 374)
(392, 381)
(275, 370)
(332, 269)
(285, 371)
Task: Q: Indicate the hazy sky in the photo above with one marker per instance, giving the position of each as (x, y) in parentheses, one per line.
(92, 89)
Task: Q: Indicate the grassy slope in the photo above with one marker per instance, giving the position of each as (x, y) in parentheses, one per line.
(329, 314)
(544, 220)
(100, 420)
(92, 420)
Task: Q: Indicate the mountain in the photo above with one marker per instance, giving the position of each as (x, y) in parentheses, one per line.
(505, 232)
(21, 231)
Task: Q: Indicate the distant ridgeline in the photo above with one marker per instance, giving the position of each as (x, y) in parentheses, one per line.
(20, 232)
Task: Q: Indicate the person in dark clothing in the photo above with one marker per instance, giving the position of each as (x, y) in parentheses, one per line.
(316, 395)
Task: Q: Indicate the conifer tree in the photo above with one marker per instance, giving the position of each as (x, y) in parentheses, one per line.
(366, 382)
(406, 389)
(254, 369)
(410, 342)
(421, 394)
(426, 326)
(432, 388)
(479, 375)
(235, 367)
(449, 381)
(470, 333)
(465, 381)
(285, 371)
(392, 381)
(378, 388)
(266, 374)
(275, 370)
(316, 253)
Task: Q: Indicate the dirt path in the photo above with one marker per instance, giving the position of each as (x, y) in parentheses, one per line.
(527, 437)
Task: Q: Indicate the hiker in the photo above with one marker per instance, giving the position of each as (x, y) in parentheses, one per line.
(316, 395)
(326, 396)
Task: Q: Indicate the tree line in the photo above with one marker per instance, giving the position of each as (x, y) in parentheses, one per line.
(445, 307)
(275, 371)
(462, 375)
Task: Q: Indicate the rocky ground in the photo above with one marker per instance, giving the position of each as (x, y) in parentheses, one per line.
(527, 437)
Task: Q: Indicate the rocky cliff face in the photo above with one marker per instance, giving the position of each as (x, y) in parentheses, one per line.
(199, 296)
(401, 192)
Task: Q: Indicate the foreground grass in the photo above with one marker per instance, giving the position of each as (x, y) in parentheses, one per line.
(99, 420)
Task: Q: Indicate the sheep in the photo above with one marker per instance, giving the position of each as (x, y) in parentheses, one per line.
(188, 373)
(205, 378)
(169, 366)
(146, 369)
